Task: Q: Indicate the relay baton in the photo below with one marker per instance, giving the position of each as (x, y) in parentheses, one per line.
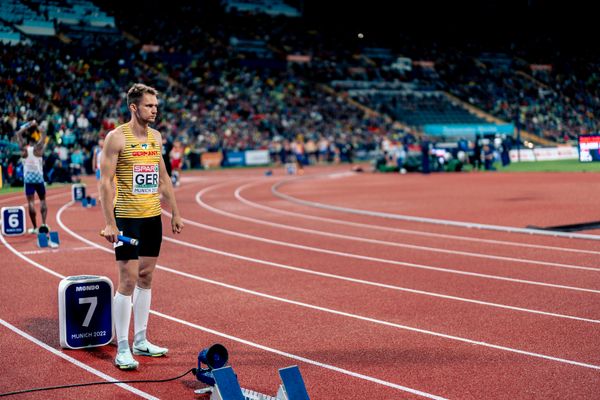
(125, 239)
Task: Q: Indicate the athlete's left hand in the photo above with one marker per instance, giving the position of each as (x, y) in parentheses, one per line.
(176, 224)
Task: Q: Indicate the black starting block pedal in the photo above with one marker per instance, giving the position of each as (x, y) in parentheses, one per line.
(49, 239)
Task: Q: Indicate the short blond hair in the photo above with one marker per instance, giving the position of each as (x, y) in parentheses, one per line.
(137, 91)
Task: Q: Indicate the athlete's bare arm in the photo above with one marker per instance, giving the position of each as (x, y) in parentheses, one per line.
(113, 145)
(166, 188)
(38, 149)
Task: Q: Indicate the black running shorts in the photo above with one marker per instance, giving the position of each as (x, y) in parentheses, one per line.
(149, 233)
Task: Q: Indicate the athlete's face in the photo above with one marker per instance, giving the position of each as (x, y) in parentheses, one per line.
(147, 109)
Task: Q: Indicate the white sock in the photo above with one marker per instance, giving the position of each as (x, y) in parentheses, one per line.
(141, 310)
(122, 314)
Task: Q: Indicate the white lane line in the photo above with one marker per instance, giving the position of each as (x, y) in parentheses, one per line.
(336, 312)
(61, 249)
(375, 284)
(28, 260)
(234, 338)
(386, 261)
(10, 198)
(302, 359)
(383, 242)
(20, 198)
(399, 230)
(76, 362)
(461, 224)
(53, 350)
(365, 282)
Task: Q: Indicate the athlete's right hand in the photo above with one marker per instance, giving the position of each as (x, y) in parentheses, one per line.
(110, 233)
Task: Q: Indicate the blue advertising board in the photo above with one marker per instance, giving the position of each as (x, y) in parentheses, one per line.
(234, 158)
(468, 129)
(589, 148)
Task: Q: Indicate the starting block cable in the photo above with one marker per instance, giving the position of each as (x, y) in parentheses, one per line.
(192, 370)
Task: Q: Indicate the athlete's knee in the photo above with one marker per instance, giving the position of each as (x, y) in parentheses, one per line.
(126, 286)
(145, 279)
(127, 277)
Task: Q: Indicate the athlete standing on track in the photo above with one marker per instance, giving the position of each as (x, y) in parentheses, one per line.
(176, 156)
(33, 172)
(96, 157)
(132, 155)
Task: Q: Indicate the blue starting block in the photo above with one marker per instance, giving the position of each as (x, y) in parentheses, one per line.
(227, 386)
(290, 168)
(88, 202)
(292, 387)
(49, 239)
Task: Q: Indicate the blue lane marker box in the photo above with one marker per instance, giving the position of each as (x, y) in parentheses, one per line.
(13, 221)
(78, 191)
(85, 311)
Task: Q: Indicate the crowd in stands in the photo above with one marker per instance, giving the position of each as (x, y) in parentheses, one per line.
(556, 108)
(227, 85)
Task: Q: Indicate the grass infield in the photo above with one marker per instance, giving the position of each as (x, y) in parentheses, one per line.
(550, 166)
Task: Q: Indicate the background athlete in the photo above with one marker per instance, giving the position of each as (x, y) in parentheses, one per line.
(32, 151)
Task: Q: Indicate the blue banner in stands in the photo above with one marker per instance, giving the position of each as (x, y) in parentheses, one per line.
(234, 158)
(467, 129)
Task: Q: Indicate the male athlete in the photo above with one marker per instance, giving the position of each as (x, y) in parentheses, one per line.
(176, 156)
(32, 151)
(96, 157)
(132, 157)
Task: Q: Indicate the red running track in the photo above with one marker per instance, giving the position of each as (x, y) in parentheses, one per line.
(368, 307)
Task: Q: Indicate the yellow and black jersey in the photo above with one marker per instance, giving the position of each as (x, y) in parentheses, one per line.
(137, 177)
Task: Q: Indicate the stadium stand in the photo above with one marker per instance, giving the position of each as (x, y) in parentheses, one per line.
(246, 75)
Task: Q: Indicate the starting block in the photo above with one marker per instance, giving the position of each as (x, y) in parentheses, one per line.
(49, 239)
(292, 387)
(290, 168)
(88, 202)
(227, 386)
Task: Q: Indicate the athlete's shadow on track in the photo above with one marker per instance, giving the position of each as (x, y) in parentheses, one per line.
(47, 331)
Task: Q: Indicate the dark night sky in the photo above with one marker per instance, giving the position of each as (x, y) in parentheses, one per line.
(565, 18)
(570, 22)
